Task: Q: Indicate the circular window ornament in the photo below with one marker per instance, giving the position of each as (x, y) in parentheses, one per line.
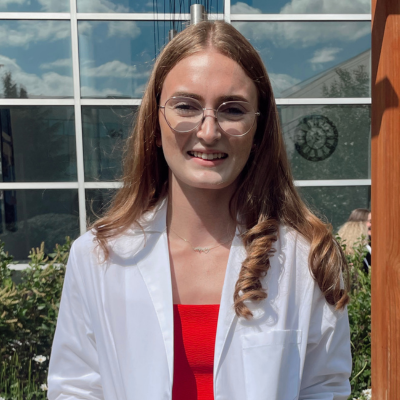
(316, 138)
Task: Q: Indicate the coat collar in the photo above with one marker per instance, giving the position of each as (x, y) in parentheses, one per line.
(153, 263)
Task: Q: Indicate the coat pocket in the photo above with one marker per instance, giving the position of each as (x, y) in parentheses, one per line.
(272, 364)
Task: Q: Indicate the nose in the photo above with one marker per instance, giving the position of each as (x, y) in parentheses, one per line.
(209, 129)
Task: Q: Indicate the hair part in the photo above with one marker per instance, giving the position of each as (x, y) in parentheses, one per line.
(265, 195)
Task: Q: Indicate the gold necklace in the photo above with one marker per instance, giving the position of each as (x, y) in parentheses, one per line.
(200, 250)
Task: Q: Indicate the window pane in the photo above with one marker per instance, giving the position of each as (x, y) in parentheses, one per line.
(314, 59)
(35, 58)
(116, 57)
(300, 7)
(105, 130)
(334, 204)
(30, 217)
(37, 144)
(34, 5)
(138, 6)
(327, 142)
(97, 201)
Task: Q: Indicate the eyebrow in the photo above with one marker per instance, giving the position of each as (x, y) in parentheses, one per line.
(220, 99)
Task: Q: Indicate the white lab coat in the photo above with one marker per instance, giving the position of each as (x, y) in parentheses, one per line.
(115, 338)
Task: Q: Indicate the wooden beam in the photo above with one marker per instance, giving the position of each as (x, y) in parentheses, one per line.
(385, 199)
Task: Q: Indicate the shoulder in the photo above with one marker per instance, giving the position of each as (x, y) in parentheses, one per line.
(124, 245)
(294, 249)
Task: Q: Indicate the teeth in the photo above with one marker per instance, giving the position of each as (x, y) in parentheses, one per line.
(207, 156)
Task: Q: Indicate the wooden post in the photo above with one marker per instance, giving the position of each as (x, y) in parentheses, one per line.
(385, 199)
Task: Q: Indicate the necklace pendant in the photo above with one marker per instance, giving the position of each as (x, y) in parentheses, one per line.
(202, 249)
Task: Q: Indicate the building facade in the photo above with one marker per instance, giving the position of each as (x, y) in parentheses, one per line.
(73, 73)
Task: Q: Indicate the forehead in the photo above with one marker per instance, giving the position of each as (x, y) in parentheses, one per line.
(209, 75)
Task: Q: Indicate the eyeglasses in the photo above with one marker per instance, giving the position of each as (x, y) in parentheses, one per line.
(184, 114)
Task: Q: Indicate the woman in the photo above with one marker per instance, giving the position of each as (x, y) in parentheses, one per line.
(214, 280)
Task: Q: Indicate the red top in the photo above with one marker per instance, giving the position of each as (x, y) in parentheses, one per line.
(195, 327)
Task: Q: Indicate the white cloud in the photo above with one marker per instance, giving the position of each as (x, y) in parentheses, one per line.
(47, 5)
(324, 55)
(243, 8)
(49, 84)
(326, 7)
(281, 82)
(61, 63)
(302, 34)
(54, 5)
(5, 3)
(115, 69)
(87, 91)
(123, 29)
(33, 31)
(101, 6)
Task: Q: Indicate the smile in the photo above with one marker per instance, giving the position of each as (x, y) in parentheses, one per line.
(207, 156)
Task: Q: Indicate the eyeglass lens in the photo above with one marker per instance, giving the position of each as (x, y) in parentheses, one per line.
(185, 114)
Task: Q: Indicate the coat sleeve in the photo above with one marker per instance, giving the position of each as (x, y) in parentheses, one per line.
(327, 364)
(74, 371)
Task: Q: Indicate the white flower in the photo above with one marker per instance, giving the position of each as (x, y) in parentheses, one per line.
(2, 398)
(39, 359)
(367, 393)
(43, 386)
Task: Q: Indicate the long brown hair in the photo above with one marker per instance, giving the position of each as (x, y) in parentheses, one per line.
(265, 196)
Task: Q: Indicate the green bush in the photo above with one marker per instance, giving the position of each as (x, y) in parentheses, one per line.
(28, 315)
(29, 309)
(359, 310)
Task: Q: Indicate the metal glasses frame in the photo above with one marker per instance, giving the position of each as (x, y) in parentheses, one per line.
(215, 116)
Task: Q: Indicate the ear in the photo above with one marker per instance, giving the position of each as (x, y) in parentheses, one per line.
(158, 142)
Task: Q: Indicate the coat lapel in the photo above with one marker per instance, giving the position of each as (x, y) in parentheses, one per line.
(154, 267)
(226, 312)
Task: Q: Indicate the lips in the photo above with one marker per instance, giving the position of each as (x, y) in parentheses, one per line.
(207, 156)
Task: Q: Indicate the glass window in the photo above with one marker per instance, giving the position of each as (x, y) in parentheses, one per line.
(327, 141)
(97, 201)
(138, 6)
(34, 6)
(105, 130)
(334, 204)
(300, 7)
(35, 59)
(30, 217)
(314, 59)
(37, 144)
(116, 57)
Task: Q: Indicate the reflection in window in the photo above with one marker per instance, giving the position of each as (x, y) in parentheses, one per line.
(34, 6)
(97, 202)
(300, 7)
(37, 144)
(334, 204)
(105, 130)
(138, 6)
(314, 59)
(327, 141)
(116, 57)
(29, 217)
(35, 59)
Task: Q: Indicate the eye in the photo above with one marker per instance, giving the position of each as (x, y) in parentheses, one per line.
(185, 107)
(232, 110)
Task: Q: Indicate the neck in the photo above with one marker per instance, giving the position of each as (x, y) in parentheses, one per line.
(201, 216)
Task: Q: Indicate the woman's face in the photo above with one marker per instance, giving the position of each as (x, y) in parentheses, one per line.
(212, 79)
